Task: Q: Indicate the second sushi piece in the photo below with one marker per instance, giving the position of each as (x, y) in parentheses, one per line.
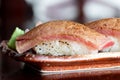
(109, 27)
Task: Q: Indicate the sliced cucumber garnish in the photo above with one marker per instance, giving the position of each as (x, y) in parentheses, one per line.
(17, 32)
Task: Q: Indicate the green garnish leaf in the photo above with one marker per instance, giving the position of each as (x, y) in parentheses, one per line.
(17, 32)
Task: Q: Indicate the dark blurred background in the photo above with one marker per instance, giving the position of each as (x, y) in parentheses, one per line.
(26, 13)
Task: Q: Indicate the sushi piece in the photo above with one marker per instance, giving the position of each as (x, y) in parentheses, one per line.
(108, 27)
(61, 38)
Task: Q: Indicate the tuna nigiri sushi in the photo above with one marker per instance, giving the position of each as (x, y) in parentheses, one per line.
(109, 27)
(61, 38)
